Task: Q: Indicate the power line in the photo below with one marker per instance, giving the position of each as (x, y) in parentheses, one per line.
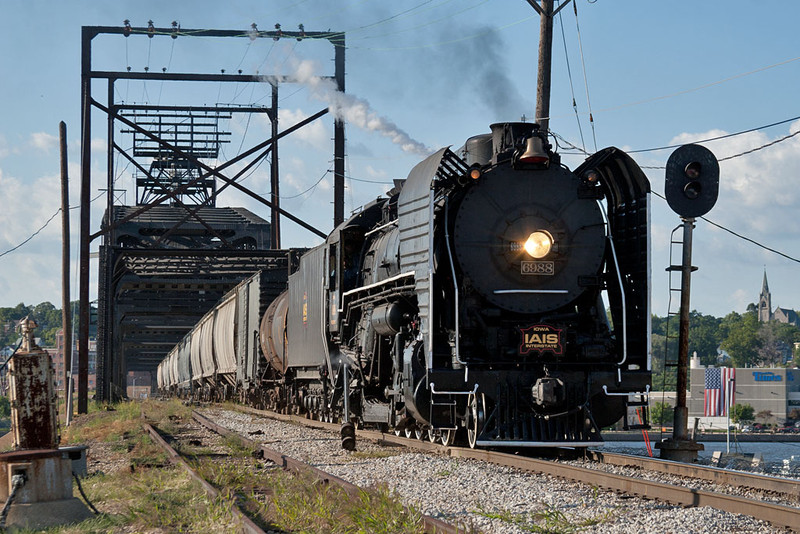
(43, 227)
(32, 235)
(726, 136)
(740, 236)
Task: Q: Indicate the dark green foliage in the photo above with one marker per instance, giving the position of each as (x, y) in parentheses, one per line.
(46, 315)
(661, 413)
(748, 342)
(742, 413)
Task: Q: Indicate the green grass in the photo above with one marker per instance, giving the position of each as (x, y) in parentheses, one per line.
(548, 520)
(153, 496)
(301, 504)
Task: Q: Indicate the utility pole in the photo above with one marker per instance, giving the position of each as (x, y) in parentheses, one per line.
(66, 310)
(546, 13)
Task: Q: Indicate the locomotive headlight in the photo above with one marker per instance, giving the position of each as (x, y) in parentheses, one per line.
(539, 244)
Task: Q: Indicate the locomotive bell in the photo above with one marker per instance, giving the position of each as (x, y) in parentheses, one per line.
(535, 152)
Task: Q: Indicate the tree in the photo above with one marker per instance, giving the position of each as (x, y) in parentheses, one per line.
(704, 336)
(742, 413)
(661, 413)
(776, 342)
(5, 407)
(740, 338)
(764, 416)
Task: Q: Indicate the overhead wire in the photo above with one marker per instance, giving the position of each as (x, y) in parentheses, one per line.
(571, 84)
(736, 234)
(44, 226)
(585, 78)
(740, 236)
(717, 138)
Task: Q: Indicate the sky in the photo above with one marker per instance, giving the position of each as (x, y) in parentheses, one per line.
(421, 75)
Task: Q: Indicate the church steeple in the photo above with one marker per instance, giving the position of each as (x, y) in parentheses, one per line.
(765, 302)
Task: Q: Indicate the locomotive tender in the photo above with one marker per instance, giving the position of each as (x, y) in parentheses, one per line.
(472, 298)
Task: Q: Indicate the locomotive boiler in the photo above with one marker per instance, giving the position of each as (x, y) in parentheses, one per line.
(493, 294)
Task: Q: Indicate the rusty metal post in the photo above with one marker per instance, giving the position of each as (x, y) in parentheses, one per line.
(680, 447)
(66, 311)
(32, 394)
(680, 428)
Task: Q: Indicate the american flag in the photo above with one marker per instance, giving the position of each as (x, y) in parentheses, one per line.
(719, 392)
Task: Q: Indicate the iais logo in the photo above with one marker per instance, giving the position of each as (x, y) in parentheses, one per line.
(540, 338)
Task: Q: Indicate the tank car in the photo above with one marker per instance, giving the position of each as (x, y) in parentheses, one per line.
(493, 293)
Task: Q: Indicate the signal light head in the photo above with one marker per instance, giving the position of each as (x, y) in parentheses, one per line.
(691, 181)
(692, 170)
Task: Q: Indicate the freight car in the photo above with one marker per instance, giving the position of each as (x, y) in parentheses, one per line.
(493, 293)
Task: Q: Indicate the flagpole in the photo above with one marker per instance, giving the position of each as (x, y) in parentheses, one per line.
(728, 426)
(728, 395)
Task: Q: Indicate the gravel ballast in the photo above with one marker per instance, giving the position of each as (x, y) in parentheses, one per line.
(480, 495)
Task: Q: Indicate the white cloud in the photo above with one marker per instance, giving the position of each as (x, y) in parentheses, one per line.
(44, 141)
(375, 173)
(4, 148)
(758, 199)
(99, 145)
(315, 134)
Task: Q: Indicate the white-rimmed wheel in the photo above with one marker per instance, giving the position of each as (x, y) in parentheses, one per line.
(448, 436)
(476, 415)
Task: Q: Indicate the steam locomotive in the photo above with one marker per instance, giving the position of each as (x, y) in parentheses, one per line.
(494, 294)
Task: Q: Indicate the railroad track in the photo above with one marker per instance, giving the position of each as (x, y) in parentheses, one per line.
(246, 525)
(431, 525)
(776, 514)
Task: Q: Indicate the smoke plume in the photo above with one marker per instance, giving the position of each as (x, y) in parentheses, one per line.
(354, 110)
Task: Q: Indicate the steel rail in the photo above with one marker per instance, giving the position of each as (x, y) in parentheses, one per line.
(246, 524)
(717, 475)
(776, 514)
(430, 524)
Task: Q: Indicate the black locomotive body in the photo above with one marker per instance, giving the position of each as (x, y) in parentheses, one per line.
(474, 298)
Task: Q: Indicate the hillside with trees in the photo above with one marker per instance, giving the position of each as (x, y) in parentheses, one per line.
(45, 313)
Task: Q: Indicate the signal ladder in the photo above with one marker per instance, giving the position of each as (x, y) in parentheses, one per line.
(672, 334)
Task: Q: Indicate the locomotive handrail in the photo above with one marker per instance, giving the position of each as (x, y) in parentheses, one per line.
(455, 289)
(542, 291)
(627, 394)
(621, 293)
(433, 390)
(381, 227)
(376, 284)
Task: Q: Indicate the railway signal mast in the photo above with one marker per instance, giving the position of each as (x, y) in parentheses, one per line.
(691, 188)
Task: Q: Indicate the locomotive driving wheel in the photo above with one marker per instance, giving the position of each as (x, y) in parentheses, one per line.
(476, 416)
(448, 436)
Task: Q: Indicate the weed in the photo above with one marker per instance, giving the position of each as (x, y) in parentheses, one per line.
(365, 455)
(547, 520)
